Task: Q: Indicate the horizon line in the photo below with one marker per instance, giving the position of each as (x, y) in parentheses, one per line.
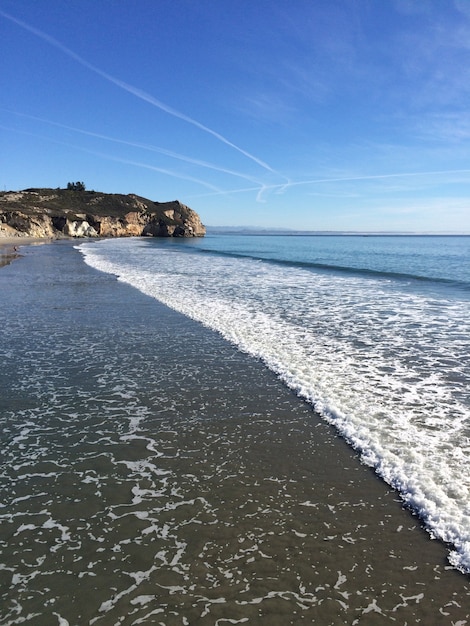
(287, 231)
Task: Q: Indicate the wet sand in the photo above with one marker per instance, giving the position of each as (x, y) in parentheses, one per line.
(154, 474)
(10, 247)
(8, 250)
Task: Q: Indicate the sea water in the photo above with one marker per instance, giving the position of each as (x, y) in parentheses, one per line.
(159, 470)
(374, 332)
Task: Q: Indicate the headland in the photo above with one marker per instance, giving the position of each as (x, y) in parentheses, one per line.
(74, 212)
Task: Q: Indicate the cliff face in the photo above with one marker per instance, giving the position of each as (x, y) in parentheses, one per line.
(55, 213)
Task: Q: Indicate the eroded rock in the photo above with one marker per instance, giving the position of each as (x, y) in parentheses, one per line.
(67, 213)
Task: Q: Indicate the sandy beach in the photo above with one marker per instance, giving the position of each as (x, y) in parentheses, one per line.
(154, 474)
(10, 247)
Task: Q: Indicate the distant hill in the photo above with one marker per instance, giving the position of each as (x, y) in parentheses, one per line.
(72, 212)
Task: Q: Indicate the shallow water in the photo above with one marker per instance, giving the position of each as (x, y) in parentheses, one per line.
(152, 473)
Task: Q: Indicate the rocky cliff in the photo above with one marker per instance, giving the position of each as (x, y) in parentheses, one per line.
(78, 213)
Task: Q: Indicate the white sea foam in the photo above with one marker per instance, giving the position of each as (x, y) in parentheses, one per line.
(387, 366)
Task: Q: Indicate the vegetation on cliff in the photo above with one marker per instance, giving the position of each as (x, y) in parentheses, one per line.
(79, 213)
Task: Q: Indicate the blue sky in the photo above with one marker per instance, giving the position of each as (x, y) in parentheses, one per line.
(315, 115)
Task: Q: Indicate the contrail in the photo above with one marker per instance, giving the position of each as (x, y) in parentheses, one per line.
(149, 167)
(139, 93)
(371, 177)
(170, 153)
(102, 155)
(315, 181)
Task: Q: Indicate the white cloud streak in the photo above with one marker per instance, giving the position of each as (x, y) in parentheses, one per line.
(316, 181)
(102, 155)
(143, 146)
(149, 167)
(139, 93)
(374, 177)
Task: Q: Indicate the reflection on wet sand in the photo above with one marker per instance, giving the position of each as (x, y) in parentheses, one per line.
(10, 247)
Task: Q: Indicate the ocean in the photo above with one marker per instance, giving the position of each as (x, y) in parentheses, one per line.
(263, 429)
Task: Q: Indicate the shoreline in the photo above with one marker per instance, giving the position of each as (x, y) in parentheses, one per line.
(194, 464)
(10, 247)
